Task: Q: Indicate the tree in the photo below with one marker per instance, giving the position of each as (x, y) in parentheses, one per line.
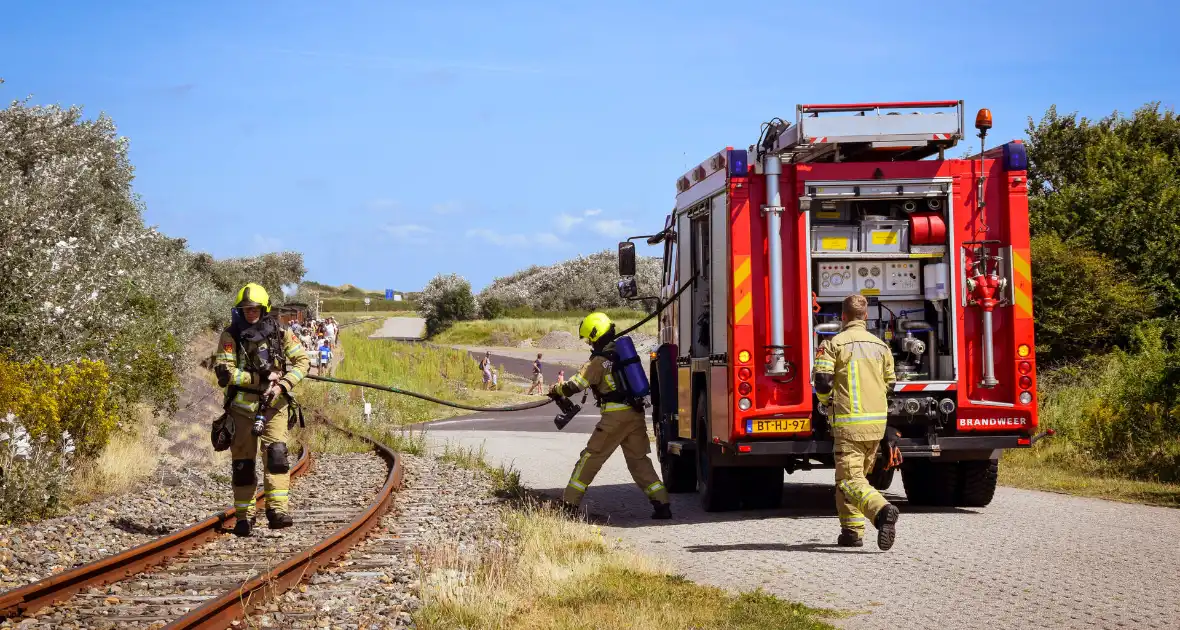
(1082, 302)
(446, 300)
(1113, 186)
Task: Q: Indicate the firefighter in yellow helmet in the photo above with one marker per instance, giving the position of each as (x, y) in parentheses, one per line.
(259, 363)
(622, 422)
(853, 372)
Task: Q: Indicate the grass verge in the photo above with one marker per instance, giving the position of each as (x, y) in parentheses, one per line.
(559, 573)
(1057, 467)
(510, 331)
(440, 372)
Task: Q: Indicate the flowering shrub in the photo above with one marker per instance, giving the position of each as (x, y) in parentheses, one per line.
(96, 308)
(50, 416)
(580, 284)
(445, 300)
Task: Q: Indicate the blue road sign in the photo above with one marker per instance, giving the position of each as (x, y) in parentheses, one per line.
(389, 294)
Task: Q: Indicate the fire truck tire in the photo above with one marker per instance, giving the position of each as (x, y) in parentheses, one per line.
(679, 472)
(915, 478)
(881, 479)
(716, 484)
(977, 482)
(761, 488)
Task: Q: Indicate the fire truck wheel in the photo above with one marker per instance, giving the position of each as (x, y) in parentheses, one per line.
(761, 488)
(931, 483)
(881, 479)
(915, 478)
(977, 482)
(679, 472)
(714, 483)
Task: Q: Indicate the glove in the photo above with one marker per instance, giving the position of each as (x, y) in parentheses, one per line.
(555, 391)
(892, 451)
(222, 372)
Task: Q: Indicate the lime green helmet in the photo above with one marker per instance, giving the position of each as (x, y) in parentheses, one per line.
(253, 295)
(594, 326)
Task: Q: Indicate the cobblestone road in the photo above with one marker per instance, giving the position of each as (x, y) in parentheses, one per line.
(1029, 560)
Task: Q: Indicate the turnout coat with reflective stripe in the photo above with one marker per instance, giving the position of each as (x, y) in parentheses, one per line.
(249, 388)
(596, 374)
(862, 366)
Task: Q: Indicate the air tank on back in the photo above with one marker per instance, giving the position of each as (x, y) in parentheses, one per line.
(631, 368)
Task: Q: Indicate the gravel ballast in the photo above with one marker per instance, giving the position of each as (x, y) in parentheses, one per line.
(322, 501)
(441, 508)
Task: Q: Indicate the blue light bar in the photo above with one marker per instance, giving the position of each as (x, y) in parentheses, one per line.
(736, 159)
(1015, 157)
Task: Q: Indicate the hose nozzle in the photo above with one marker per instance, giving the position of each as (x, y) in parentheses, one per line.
(569, 409)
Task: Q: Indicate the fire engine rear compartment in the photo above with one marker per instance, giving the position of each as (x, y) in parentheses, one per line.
(888, 241)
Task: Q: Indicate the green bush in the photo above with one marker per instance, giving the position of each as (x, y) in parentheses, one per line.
(49, 417)
(1082, 303)
(491, 308)
(445, 300)
(1121, 409)
(1112, 185)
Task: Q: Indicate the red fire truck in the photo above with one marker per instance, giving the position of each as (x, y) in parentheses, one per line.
(767, 241)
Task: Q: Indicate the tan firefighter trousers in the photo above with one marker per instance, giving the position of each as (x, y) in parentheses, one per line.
(856, 498)
(276, 479)
(617, 428)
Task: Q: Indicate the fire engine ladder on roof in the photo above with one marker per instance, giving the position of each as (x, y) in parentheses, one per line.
(868, 132)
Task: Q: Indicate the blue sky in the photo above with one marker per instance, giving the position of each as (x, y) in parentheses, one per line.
(390, 141)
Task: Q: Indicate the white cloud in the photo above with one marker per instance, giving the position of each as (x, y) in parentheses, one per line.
(407, 233)
(615, 228)
(593, 212)
(447, 207)
(267, 244)
(565, 222)
(544, 239)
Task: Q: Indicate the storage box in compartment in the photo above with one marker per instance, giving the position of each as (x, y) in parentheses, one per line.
(892, 237)
(831, 211)
(835, 238)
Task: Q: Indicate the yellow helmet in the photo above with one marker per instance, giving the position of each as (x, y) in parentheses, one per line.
(594, 326)
(253, 295)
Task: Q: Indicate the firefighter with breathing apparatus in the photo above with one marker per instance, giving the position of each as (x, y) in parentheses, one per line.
(259, 363)
(854, 373)
(615, 376)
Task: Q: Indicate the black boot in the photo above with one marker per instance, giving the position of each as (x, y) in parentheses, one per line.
(661, 511)
(886, 529)
(849, 538)
(243, 527)
(278, 520)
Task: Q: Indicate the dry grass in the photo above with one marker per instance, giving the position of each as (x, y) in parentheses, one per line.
(564, 574)
(558, 573)
(1056, 467)
(126, 461)
(479, 332)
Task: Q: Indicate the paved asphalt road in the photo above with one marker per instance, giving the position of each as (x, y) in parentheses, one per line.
(404, 328)
(1029, 560)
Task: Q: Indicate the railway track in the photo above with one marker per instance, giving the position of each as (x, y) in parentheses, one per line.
(202, 577)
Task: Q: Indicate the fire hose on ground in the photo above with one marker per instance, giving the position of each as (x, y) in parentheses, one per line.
(568, 407)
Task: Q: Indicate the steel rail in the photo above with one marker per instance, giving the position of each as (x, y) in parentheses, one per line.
(30, 598)
(235, 604)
